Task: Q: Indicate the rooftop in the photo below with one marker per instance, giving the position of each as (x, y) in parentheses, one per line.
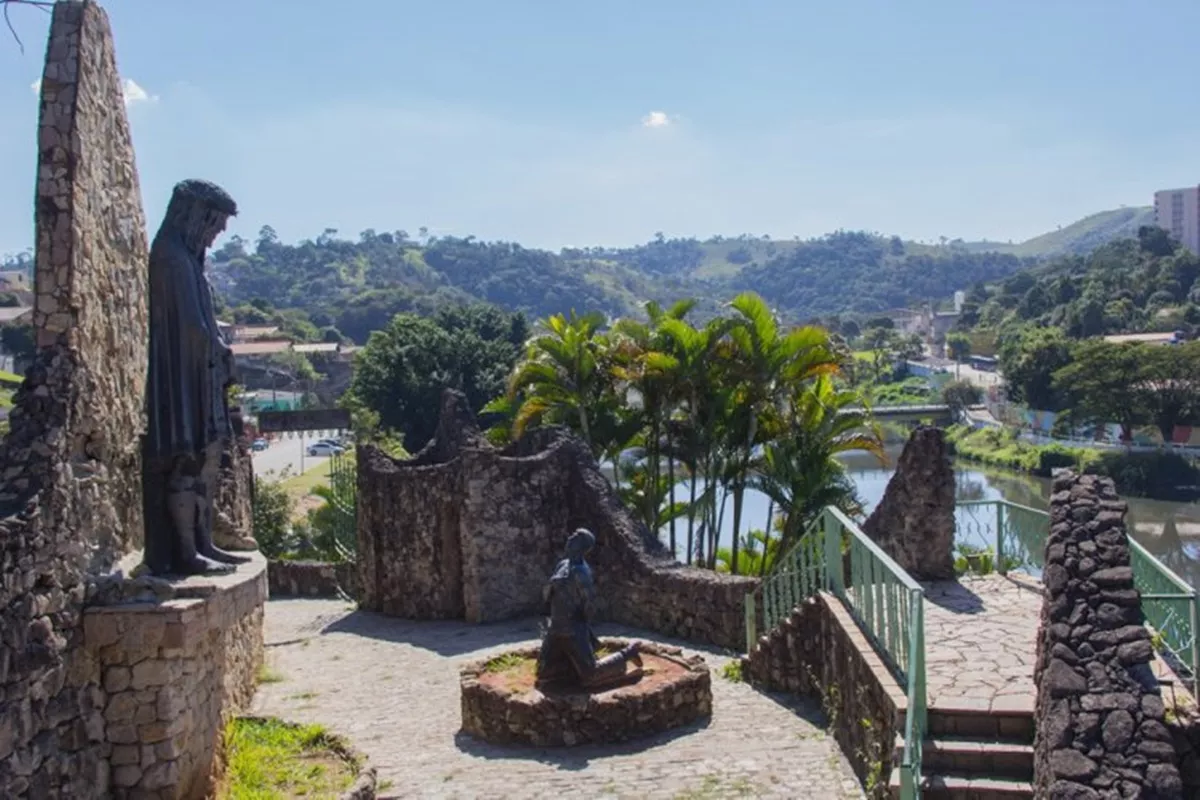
(1146, 338)
(260, 347)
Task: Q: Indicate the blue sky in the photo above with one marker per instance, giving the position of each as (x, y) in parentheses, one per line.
(560, 123)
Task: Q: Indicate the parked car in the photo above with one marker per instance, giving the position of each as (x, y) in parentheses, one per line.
(324, 449)
(332, 443)
(259, 444)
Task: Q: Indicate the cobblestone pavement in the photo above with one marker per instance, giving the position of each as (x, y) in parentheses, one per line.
(981, 643)
(391, 686)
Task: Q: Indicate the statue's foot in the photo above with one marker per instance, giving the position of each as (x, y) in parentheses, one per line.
(631, 654)
(215, 553)
(201, 565)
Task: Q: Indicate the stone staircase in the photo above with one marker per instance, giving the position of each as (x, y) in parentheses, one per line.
(969, 753)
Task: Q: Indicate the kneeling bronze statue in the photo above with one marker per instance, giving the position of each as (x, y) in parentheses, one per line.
(568, 656)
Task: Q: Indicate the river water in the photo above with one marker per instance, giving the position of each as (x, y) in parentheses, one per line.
(1171, 531)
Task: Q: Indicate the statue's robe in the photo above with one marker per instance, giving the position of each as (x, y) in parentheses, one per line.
(186, 409)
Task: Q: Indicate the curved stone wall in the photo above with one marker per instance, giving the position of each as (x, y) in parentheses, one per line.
(497, 712)
(466, 530)
(1099, 714)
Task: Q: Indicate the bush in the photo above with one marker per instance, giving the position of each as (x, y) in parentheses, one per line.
(961, 394)
(1164, 476)
(1161, 476)
(272, 517)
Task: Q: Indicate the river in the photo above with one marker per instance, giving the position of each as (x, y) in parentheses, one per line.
(1171, 531)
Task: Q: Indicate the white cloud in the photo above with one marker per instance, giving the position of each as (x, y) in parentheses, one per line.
(133, 91)
(656, 119)
(136, 94)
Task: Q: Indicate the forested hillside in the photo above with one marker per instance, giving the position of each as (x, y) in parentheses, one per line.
(331, 287)
(1145, 284)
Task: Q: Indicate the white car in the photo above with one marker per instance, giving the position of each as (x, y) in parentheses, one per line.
(324, 448)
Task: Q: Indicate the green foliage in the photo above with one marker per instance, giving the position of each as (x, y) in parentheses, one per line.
(272, 515)
(1163, 476)
(733, 671)
(1002, 447)
(267, 758)
(961, 394)
(18, 340)
(738, 402)
(1158, 475)
(904, 392)
(1124, 286)
(1028, 359)
(858, 272)
(400, 374)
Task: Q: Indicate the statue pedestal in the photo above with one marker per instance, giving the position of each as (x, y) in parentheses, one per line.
(501, 705)
(173, 672)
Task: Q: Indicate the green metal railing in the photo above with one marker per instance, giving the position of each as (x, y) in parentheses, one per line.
(885, 602)
(1015, 533)
(1169, 603)
(343, 486)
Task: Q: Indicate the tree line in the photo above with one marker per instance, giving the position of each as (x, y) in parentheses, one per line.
(688, 415)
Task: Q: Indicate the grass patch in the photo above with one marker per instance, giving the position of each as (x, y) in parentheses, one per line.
(506, 663)
(10, 377)
(299, 486)
(1001, 447)
(268, 675)
(272, 760)
(732, 671)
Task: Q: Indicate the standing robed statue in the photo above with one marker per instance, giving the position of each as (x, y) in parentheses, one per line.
(190, 372)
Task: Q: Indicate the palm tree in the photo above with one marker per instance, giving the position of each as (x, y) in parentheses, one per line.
(800, 472)
(562, 376)
(770, 365)
(694, 384)
(646, 366)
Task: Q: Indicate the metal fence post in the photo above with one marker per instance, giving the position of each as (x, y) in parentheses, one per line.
(1001, 567)
(834, 568)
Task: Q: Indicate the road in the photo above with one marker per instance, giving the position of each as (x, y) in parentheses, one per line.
(286, 454)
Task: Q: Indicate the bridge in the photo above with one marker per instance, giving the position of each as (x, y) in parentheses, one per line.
(938, 413)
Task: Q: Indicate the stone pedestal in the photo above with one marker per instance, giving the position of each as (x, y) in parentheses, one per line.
(173, 672)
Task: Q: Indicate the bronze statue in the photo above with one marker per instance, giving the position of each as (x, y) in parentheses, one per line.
(569, 647)
(190, 371)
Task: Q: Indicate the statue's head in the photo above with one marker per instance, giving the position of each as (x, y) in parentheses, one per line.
(201, 209)
(580, 543)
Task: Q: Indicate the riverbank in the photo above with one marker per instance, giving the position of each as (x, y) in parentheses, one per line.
(1158, 475)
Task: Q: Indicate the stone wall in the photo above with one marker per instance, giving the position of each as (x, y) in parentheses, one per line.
(70, 493)
(468, 530)
(914, 522)
(1099, 714)
(174, 671)
(312, 579)
(819, 651)
(74, 711)
(233, 523)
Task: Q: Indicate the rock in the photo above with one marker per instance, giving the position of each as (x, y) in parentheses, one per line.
(1071, 764)
(1117, 731)
(1060, 680)
(914, 521)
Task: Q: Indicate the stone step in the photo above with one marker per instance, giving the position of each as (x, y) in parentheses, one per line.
(970, 757)
(1001, 726)
(957, 787)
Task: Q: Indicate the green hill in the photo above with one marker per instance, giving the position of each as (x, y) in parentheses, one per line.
(1078, 238)
(331, 287)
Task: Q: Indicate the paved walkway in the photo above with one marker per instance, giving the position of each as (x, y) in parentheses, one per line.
(391, 686)
(981, 643)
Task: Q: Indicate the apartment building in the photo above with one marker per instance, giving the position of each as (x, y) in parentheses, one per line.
(1178, 212)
